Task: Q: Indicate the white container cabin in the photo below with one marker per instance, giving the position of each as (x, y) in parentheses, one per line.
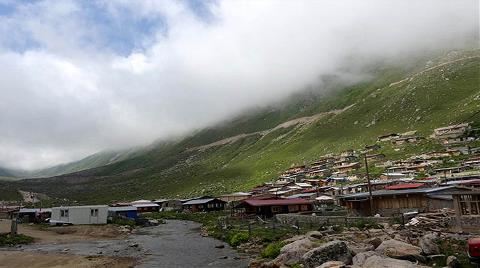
(79, 215)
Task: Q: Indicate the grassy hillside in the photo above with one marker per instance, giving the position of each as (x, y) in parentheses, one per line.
(420, 97)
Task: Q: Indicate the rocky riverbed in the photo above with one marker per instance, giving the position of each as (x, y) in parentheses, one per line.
(174, 244)
(384, 246)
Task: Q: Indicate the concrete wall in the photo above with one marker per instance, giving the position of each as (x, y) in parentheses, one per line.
(81, 215)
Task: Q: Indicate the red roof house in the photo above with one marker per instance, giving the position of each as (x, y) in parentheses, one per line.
(405, 186)
(270, 207)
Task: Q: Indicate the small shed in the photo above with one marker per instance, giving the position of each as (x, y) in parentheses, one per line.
(80, 215)
(145, 206)
(204, 205)
(171, 205)
(34, 215)
(129, 212)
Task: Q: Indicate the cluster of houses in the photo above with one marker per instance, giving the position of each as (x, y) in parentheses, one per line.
(326, 185)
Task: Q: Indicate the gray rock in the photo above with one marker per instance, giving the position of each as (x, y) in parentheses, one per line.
(359, 247)
(332, 251)
(428, 244)
(399, 250)
(293, 252)
(375, 242)
(315, 235)
(360, 258)
(453, 262)
(385, 262)
(332, 264)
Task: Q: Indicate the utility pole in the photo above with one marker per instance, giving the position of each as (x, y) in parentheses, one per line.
(369, 185)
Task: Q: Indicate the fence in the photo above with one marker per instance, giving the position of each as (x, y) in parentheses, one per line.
(283, 224)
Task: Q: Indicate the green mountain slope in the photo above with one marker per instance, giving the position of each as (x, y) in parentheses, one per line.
(257, 147)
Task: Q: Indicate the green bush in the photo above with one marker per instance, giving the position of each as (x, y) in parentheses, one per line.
(272, 250)
(120, 221)
(364, 224)
(11, 240)
(238, 239)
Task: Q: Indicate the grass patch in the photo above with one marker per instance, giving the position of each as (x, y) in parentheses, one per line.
(457, 248)
(12, 240)
(364, 224)
(272, 250)
(238, 239)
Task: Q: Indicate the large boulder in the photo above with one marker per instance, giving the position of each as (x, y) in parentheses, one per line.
(452, 262)
(375, 242)
(332, 251)
(356, 247)
(332, 264)
(428, 244)
(293, 252)
(376, 261)
(359, 259)
(399, 250)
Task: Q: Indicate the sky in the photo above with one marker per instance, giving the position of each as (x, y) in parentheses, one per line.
(78, 77)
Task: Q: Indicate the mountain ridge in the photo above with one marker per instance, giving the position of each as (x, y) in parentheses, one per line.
(437, 96)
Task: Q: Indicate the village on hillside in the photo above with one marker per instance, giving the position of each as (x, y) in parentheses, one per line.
(439, 189)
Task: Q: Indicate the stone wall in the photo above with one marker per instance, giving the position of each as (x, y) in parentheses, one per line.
(470, 223)
(329, 220)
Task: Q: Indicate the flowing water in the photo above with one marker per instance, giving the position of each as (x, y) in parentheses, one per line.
(174, 244)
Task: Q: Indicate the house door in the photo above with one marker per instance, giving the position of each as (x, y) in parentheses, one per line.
(94, 215)
(64, 215)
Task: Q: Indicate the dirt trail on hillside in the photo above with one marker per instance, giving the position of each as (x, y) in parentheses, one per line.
(9, 259)
(410, 78)
(297, 121)
(63, 234)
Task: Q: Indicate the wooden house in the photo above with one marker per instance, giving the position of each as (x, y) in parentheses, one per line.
(391, 202)
(145, 206)
(467, 210)
(235, 197)
(204, 205)
(387, 137)
(271, 207)
(345, 168)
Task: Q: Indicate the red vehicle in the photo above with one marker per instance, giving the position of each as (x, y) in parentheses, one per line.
(474, 250)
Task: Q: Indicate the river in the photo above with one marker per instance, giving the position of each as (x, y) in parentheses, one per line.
(174, 244)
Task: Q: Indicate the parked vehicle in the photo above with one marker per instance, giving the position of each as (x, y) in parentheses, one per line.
(474, 250)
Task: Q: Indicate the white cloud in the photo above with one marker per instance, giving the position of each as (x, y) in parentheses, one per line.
(68, 94)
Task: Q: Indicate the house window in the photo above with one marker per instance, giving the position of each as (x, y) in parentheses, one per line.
(64, 213)
(276, 209)
(94, 212)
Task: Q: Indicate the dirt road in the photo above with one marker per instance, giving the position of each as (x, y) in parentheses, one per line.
(65, 233)
(19, 259)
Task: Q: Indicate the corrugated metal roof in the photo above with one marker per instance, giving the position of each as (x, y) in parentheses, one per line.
(301, 195)
(34, 210)
(129, 208)
(396, 192)
(145, 205)
(276, 202)
(404, 186)
(200, 201)
(93, 206)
